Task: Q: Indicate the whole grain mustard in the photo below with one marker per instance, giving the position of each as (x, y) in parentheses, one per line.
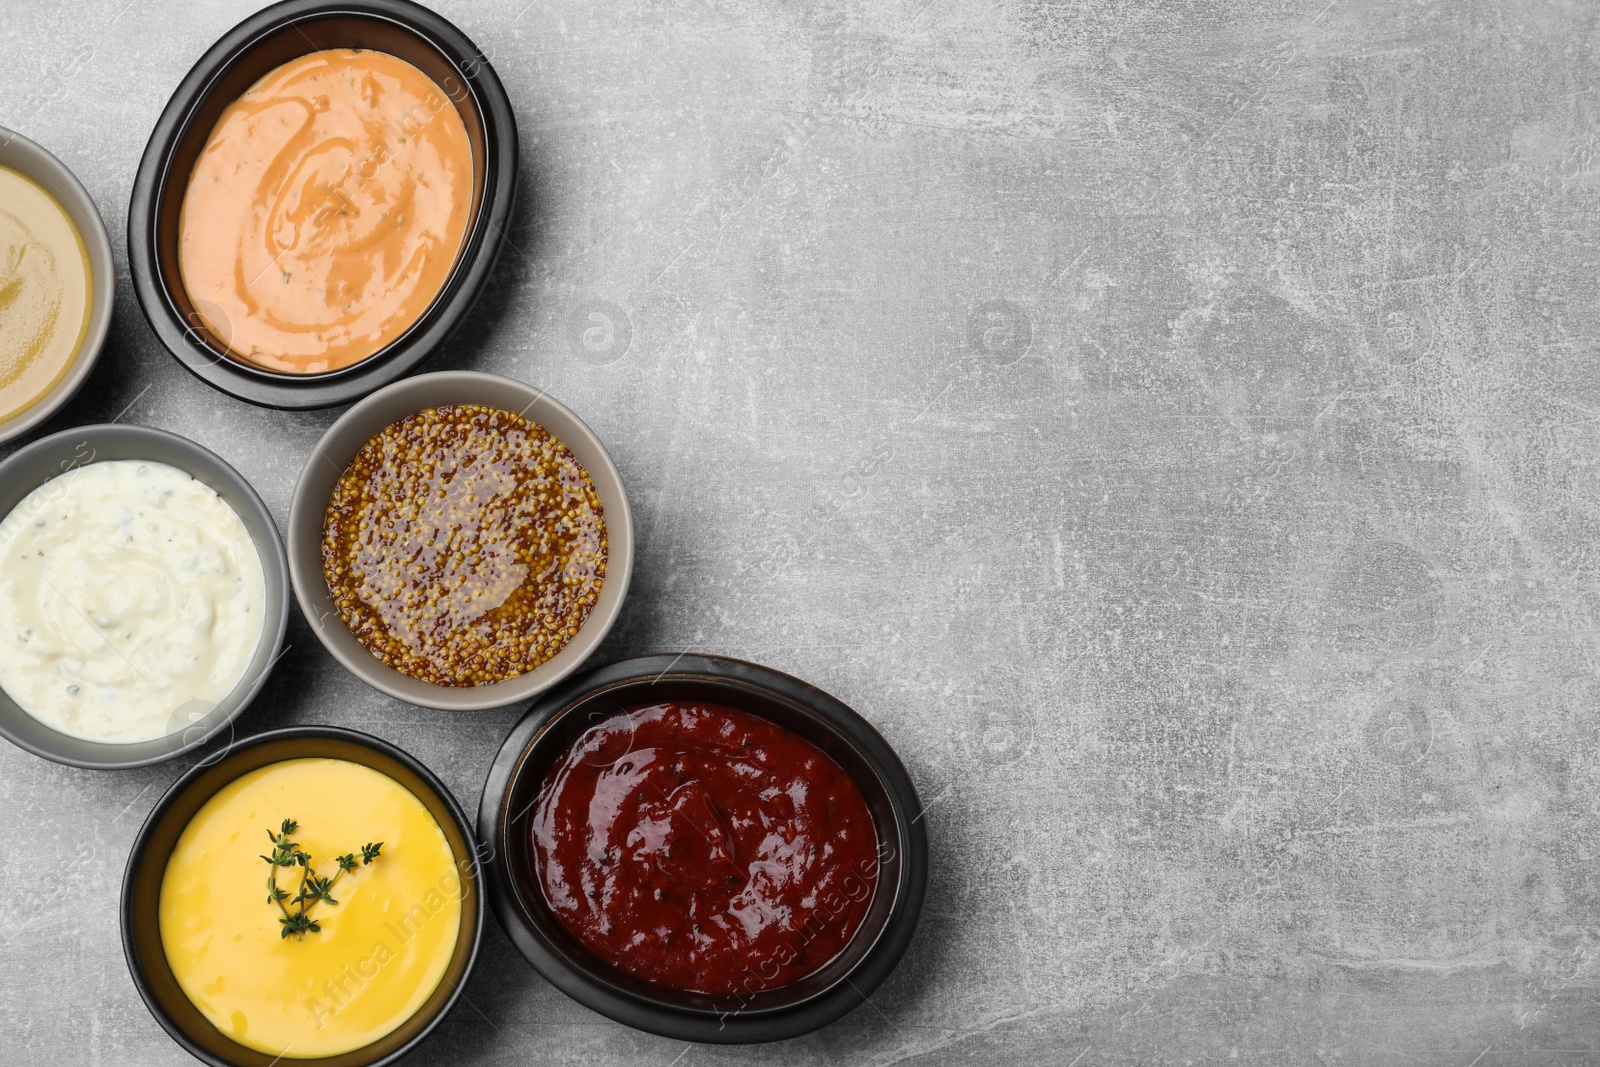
(464, 545)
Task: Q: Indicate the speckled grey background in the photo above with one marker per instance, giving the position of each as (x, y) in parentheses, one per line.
(1176, 426)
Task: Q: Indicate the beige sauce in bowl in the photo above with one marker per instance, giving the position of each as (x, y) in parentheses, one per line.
(46, 289)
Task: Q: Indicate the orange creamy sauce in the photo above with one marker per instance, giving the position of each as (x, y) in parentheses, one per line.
(326, 211)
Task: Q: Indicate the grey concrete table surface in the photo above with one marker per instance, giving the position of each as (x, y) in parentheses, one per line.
(1176, 426)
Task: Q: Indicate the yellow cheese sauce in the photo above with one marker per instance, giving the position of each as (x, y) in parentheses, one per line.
(46, 290)
(382, 948)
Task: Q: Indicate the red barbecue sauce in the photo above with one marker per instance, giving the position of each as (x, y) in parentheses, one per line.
(704, 849)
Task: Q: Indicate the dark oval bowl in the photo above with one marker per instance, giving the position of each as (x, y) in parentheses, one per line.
(28, 468)
(557, 718)
(244, 54)
(147, 863)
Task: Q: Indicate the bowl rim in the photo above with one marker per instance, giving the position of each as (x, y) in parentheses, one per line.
(480, 248)
(305, 534)
(141, 845)
(80, 207)
(659, 1016)
(275, 572)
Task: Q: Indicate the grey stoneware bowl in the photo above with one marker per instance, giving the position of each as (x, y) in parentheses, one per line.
(30, 467)
(514, 786)
(364, 421)
(152, 848)
(32, 161)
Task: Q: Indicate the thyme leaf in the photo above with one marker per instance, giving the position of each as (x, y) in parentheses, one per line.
(313, 887)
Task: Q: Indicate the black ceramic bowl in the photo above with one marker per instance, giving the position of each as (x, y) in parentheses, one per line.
(551, 724)
(261, 42)
(147, 863)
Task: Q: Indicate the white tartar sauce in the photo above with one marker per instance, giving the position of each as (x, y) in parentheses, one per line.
(131, 601)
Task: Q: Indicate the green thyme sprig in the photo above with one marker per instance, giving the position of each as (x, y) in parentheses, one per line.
(313, 888)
